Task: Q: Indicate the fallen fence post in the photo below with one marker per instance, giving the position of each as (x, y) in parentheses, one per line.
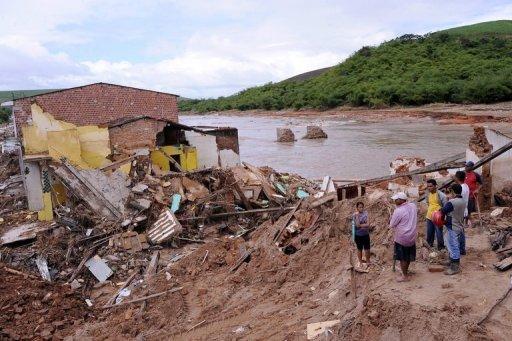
(501, 299)
(446, 163)
(137, 300)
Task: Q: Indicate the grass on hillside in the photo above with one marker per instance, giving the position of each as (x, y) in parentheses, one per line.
(448, 66)
(9, 94)
(491, 27)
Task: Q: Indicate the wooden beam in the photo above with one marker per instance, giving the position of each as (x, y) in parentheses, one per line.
(489, 157)
(227, 214)
(170, 158)
(118, 163)
(143, 298)
(448, 163)
(93, 189)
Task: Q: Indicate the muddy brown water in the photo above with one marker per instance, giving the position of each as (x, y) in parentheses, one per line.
(354, 149)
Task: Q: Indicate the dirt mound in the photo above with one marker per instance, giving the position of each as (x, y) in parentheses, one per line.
(32, 308)
(378, 318)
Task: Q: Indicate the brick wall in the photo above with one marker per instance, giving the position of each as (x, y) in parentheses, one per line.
(99, 103)
(137, 134)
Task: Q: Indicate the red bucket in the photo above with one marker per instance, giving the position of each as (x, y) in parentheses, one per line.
(438, 219)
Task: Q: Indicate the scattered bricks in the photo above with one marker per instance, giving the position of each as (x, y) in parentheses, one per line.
(315, 132)
(285, 135)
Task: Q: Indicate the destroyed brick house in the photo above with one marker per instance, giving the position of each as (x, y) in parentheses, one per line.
(103, 126)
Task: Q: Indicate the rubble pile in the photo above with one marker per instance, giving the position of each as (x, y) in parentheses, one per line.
(478, 142)
(285, 135)
(113, 228)
(33, 309)
(504, 197)
(314, 132)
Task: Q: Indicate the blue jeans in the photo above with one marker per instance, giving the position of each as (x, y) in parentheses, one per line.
(433, 231)
(452, 241)
(462, 243)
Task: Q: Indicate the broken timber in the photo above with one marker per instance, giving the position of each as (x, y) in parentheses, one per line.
(143, 298)
(447, 163)
(125, 284)
(240, 261)
(227, 214)
(286, 221)
(118, 163)
(86, 191)
(501, 299)
(171, 159)
(479, 163)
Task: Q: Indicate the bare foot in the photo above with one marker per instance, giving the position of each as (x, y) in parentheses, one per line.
(402, 278)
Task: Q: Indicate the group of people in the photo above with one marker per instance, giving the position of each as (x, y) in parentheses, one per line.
(454, 208)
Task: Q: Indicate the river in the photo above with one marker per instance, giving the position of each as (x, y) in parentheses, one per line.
(354, 149)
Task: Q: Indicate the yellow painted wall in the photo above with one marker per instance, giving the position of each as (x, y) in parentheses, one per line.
(85, 146)
(46, 214)
(94, 145)
(65, 143)
(187, 157)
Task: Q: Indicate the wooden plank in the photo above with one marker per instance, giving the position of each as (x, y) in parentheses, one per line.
(242, 196)
(22, 233)
(153, 265)
(265, 185)
(118, 163)
(93, 189)
(143, 298)
(125, 284)
(504, 265)
(80, 266)
(227, 214)
(170, 158)
(240, 261)
(489, 157)
(286, 220)
(447, 163)
(324, 199)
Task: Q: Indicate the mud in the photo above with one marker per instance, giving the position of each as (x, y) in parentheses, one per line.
(274, 295)
(33, 309)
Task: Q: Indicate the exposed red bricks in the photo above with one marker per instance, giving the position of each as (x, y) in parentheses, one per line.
(99, 103)
(136, 134)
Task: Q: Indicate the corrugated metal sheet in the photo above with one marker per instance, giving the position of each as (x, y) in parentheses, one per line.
(164, 228)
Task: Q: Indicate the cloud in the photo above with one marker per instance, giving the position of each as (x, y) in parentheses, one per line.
(203, 48)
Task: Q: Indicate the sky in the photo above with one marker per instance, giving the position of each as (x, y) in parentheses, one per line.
(203, 49)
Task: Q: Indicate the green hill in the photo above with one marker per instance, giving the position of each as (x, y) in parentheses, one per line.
(9, 94)
(468, 64)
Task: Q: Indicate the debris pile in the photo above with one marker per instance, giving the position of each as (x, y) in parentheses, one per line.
(478, 142)
(285, 135)
(504, 197)
(314, 132)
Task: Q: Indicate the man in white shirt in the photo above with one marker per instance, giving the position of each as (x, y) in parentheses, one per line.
(460, 177)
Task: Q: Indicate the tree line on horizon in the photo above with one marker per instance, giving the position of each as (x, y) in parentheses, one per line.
(409, 70)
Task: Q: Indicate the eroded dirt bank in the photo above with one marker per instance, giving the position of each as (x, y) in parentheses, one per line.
(442, 112)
